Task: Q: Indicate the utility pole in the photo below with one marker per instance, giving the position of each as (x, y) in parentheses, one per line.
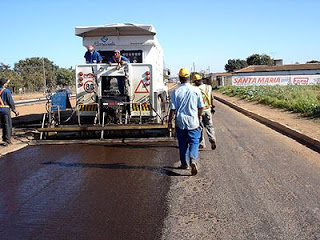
(194, 67)
(44, 75)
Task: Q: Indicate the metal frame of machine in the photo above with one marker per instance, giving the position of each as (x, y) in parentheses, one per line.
(127, 95)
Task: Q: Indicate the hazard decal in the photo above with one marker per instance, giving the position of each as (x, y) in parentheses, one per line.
(141, 88)
(144, 107)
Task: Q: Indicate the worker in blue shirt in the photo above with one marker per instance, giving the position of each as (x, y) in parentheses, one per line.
(92, 56)
(6, 103)
(186, 105)
(118, 59)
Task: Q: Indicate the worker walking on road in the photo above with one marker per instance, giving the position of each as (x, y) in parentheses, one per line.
(6, 103)
(92, 56)
(206, 123)
(186, 105)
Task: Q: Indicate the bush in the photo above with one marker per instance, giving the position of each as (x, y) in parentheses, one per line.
(299, 99)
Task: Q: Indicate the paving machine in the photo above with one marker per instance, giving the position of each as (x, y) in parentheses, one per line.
(117, 100)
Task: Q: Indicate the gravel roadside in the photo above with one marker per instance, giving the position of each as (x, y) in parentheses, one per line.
(257, 184)
(309, 127)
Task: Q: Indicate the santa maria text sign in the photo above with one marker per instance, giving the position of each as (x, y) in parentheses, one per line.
(275, 80)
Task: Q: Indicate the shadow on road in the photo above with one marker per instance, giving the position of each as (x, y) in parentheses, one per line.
(120, 166)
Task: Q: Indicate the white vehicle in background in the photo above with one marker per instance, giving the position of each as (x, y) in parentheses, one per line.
(135, 93)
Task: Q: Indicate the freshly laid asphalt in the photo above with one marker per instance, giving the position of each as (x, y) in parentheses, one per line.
(257, 184)
(85, 192)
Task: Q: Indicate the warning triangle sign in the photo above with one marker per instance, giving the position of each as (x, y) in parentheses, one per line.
(141, 88)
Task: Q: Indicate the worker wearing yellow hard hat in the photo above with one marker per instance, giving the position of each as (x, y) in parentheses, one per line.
(206, 121)
(196, 77)
(186, 105)
(184, 73)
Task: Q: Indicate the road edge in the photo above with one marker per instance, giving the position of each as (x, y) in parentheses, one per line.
(310, 142)
(13, 148)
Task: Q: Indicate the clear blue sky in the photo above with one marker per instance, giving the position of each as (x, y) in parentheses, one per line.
(205, 32)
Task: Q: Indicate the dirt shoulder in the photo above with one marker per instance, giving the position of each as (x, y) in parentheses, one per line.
(26, 96)
(21, 136)
(309, 127)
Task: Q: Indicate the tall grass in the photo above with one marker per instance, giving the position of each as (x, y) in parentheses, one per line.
(299, 99)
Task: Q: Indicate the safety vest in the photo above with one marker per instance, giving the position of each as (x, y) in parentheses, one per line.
(1, 101)
(115, 60)
(206, 92)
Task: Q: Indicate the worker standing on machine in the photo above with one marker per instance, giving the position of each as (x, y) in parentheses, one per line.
(92, 56)
(206, 123)
(186, 105)
(118, 59)
(6, 103)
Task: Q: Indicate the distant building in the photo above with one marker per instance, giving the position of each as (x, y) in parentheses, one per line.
(278, 62)
(222, 79)
(256, 75)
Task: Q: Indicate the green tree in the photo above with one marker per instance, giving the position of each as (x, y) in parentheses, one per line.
(65, 77)
(313, 61)
(257, 59)
(32, 71)
(4, 67)
(235, 64)
(14, 78)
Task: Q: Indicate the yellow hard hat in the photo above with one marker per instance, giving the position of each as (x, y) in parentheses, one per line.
(184, 72)
(196, 77)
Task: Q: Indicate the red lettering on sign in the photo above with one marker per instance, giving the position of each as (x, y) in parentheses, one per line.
(89, 75)
(301, 80)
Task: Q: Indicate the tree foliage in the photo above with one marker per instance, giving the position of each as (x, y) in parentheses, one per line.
(33, 74)
(15, 81)
(235, 64)
(65, 77)
(4, 67)
(257, 59)
(313, 61)
(37, 72)
(254, 59)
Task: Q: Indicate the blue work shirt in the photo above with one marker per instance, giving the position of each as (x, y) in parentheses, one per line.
(7, 100)
(113, 58)
(93, 57)
(186, 100)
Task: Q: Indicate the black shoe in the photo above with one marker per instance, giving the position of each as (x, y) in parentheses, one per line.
(6, 143)
(213, 145)
(184, 167)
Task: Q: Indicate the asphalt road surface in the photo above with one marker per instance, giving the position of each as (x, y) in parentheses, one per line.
(257, 184)
(84, 192)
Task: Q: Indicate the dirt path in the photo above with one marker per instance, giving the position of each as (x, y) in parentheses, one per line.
(257, 184)
(18, 97)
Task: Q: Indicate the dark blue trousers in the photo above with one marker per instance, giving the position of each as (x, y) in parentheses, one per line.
(6, 122)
